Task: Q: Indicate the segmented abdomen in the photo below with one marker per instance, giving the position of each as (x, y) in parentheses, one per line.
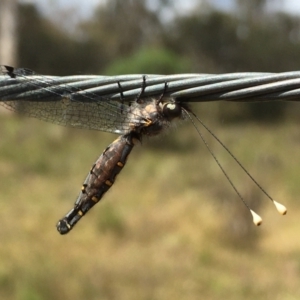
(99, 180)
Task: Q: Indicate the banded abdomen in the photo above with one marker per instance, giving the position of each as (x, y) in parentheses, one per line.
(99, 180)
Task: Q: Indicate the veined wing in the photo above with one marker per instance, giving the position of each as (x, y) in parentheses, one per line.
(51, 99)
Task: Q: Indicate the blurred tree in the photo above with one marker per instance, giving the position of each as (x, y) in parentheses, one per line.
(119, 28)
(208, 39)
(150, 60)
(251, 11)
(8, 32)
(218, 42)
(46, 48)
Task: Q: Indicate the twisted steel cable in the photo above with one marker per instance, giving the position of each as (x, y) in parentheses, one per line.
(246, 87)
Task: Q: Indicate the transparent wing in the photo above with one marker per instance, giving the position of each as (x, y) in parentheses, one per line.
(46, 98)
(102, 115)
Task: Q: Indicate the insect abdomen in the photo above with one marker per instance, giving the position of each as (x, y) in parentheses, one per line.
(99, 180)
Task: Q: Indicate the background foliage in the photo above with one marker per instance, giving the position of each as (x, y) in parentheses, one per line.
(171, 227)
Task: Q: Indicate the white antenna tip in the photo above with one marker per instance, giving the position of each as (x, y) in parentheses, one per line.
(281, 208)
(257, 220)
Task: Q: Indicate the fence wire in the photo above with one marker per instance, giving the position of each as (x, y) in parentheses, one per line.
(23, 84)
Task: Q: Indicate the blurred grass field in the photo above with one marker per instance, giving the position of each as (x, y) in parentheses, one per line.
(171, 227)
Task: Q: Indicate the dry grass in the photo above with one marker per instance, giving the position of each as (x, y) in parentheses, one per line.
(170, 228)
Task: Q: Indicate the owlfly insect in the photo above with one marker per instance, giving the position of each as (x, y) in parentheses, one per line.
(78, 104)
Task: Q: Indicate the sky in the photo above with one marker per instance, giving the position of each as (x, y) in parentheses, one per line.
(84, 8)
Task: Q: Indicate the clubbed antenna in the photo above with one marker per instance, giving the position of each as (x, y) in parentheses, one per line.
(257, 220)
(280, 207)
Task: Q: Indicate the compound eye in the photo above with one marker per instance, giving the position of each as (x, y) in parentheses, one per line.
(171, 110)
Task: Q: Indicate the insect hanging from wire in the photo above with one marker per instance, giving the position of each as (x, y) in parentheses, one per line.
(66, 104)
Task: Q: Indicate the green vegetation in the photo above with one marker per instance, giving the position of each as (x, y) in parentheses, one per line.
(170, 227)
(154, 60)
